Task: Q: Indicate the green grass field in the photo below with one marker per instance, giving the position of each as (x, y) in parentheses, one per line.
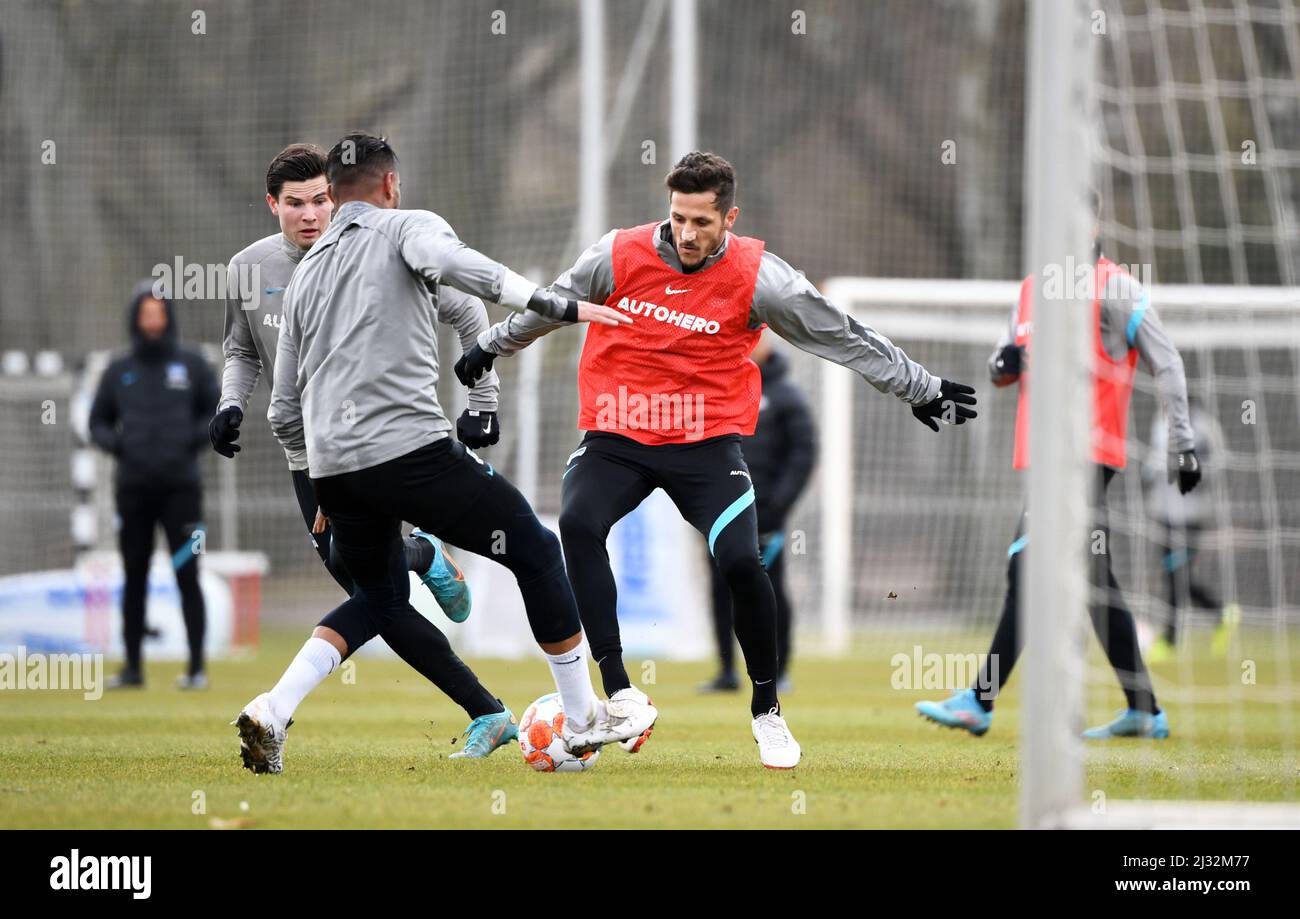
(374, 753)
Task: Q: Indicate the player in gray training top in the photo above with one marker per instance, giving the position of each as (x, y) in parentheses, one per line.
(356, 377)
(296, 193)
(358, 386)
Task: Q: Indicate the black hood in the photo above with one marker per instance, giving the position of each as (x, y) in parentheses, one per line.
(142, 347)
(774, 368)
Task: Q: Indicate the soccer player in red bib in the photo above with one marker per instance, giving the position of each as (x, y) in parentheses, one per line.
(665, 401)
(1124, 327)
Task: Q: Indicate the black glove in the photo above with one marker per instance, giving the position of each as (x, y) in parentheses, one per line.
(1010, 361)
(949, 406)
(478, 429)
(473, 364)
(223, 430)
(1187, 469)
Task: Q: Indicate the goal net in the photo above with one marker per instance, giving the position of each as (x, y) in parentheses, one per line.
(1193, 143)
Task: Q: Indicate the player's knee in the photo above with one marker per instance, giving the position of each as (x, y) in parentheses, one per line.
(555, 627)
(578, 525)
(548, 544)
(531, 550)
(740, 568)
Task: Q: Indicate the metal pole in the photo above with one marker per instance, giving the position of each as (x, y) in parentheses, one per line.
(685, 94)
(1057, 232)
(591, 164)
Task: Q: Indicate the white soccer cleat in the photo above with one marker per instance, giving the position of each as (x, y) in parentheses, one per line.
(633, 744)
(625, 716)
(777, 748)
(261, 736)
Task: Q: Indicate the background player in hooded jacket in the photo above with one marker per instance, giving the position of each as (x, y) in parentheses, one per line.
(150, 413)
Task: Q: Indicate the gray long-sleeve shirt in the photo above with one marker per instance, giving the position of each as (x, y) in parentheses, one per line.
(256, 280)
(1128, 320)
(783, 298)
(356, 373)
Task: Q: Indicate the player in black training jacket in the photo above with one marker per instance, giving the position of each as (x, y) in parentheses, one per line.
(151, 414)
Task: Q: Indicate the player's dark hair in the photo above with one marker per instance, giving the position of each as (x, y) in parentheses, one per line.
(295, 163)
(697, 172)
(358, 159)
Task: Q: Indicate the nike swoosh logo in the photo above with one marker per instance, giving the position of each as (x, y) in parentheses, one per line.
(669, 290)
(487, 426)
(274, 290)
(451, 563)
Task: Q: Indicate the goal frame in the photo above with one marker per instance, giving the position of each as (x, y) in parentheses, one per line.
(976, 312)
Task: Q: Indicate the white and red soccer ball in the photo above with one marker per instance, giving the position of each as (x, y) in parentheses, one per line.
(541, 740)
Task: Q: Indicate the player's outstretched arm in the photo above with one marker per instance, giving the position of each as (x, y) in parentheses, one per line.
(588, 281)
(478, 360)
(953, 405)
(797, 311)
(431, 248)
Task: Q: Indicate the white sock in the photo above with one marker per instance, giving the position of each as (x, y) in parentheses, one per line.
(313, 663)
(573, 680)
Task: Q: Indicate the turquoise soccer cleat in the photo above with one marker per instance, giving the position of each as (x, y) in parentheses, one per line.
(961, 710)
(445, 580)
(1132, 723)
(487, 732)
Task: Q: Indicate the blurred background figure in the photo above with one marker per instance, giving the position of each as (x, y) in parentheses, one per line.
(780, 456)
(151, 412)
(1181, 523)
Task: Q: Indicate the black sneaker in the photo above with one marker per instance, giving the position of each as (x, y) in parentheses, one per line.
(127, 678)
(723, 682)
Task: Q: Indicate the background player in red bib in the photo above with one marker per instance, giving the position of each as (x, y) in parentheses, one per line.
(665, 401)
(1124, 328)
